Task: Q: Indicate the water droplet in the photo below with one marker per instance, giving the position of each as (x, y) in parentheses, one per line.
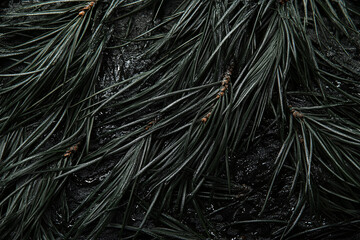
(90, 180)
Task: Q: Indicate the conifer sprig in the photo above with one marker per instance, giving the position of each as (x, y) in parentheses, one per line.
(223, 67)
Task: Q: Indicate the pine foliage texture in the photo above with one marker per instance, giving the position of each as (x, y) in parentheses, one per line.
(221, 67)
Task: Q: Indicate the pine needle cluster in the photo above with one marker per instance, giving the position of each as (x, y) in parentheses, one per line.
(221, 68)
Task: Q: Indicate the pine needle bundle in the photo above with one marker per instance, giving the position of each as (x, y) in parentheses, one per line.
(221, 68)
